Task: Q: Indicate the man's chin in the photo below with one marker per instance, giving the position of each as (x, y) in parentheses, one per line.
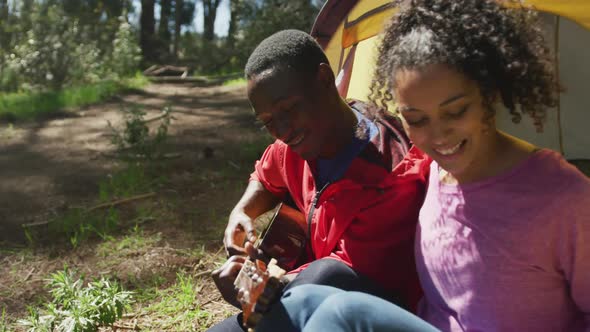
(307, 154)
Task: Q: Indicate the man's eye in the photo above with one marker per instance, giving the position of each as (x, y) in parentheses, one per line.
(289, 108)
(264, 124)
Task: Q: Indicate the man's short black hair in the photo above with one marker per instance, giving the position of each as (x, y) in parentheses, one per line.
(288, 50)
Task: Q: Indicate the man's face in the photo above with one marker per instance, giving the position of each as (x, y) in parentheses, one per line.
(292, 110)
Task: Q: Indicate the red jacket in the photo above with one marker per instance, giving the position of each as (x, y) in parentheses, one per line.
(368, 218)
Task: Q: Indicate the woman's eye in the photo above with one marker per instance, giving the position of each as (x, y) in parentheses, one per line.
(457, 115)
(417, 123)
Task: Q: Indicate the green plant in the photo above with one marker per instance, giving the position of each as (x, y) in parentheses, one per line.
(78, 225)
(235, 82)
(75, 308)
(4, 321)
(130, 181)
(55, 52)
(178, 308)
(136, 136)
(36, 322)
(126, 53)
(8, 132)
(75, 225)
(136, 240)
(26, 106)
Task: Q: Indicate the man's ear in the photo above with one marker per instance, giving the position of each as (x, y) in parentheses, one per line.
(325, 76)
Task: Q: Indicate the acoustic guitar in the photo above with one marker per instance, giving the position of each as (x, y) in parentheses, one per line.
(283, 246)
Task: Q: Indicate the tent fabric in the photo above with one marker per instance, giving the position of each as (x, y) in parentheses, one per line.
(345, 25)
(576, 10)
(334, 11)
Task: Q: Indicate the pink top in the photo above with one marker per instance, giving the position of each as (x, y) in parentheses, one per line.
(510, 253)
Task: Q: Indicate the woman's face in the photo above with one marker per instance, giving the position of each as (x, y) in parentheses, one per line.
(444, 116)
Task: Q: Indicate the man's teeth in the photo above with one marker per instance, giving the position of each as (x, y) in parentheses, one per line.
(449, 150)
(297, 140)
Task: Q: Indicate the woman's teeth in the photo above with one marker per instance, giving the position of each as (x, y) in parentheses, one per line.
(450, 150)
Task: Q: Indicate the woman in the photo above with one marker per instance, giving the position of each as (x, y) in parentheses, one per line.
(502, 241)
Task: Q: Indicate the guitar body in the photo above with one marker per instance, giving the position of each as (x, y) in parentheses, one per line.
(284, 246)
(285, 239)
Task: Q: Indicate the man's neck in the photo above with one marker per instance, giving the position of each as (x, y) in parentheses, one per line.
(342, 132)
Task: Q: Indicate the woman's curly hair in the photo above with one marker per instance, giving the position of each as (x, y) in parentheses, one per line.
(501, 48)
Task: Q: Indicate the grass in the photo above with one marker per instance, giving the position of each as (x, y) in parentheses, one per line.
(27, 106)
(161, 248)
(178, 308)
(135, 241)
(131, 181)
(235, 82)
(77, 225)
(4, 321)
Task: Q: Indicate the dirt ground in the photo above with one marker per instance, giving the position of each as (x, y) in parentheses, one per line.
(56, 164)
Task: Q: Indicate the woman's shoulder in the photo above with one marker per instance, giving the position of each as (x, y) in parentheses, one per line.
(552, 170)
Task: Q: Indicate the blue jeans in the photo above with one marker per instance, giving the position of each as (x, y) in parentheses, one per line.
(325, 271)
(315, 308)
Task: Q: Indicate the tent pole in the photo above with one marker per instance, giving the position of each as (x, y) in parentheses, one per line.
(556, 59)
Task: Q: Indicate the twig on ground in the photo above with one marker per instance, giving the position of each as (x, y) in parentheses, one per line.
(217, 298)
(234, 165)
(29, 274)
(121, 201)
(132, 326)
(36, 223)
(161, 116)
(203, 273)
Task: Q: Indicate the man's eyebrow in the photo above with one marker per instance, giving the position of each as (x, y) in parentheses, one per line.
(282, 98)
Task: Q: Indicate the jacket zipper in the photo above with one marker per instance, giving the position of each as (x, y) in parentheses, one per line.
(314, 205)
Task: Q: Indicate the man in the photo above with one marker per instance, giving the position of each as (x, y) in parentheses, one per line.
(346, 167)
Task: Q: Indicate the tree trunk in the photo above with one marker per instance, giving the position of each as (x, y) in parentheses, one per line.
(179, 5)
(233, 23)
(148, 30)
(4, 26)
(164, 28)
(209, 13)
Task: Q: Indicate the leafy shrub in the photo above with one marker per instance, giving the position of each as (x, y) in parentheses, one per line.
(78, 308)
(136, 137)
(59, 51)
(126, 53)
(55, 52)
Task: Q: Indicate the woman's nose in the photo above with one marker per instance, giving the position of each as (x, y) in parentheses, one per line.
(439, 132)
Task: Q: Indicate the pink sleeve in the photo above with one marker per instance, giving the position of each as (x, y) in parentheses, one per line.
(269, 169)
(575, 248)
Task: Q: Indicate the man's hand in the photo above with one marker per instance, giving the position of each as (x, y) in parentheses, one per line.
(255, 201)
(225, 276)
(240, 229)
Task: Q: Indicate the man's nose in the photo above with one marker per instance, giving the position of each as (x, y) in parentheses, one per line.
(282, 129)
